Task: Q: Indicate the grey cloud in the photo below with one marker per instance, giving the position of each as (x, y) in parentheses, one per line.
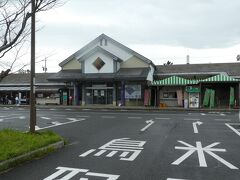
(188, 23)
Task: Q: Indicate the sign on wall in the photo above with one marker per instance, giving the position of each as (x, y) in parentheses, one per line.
(133, 91)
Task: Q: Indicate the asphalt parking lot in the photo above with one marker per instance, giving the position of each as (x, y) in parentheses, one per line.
(132, 145)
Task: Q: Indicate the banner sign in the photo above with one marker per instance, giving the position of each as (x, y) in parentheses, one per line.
(133, 91)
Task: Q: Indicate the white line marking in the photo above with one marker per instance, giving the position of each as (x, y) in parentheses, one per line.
(149, 122)
(201, 157)
(87, 153)
(83, 116)
(124, 154)
(163, 118)
(195, 129)
(22, 117)
(59, 115)
(134, 117)
(175, 179)
(108, 176)
(111, 154)
(100, 153)
(45, 118)
(222, 119)
(222, 114)
(63, 170)
(234, 130)
(61, 124)
(190, 119)
(203, 114)
(110, 117)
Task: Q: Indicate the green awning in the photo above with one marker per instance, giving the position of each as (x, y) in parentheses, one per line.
(219, 78)
(173, 80)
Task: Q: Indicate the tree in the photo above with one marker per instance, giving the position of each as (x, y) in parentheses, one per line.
(168, 63)
(14, 22)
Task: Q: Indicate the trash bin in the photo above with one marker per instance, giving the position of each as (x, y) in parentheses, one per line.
(185, 103)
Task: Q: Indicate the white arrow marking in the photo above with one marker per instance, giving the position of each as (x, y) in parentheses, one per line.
(195, 126)
(149, 122)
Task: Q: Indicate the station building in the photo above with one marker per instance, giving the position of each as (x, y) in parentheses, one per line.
(105, 72)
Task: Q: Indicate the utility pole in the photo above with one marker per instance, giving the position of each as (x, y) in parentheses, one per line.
(45, 65)
(32, 83)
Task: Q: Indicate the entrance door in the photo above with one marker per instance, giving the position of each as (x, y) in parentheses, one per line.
(99, 96)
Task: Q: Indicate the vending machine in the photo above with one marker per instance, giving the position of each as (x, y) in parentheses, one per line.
(193, 100)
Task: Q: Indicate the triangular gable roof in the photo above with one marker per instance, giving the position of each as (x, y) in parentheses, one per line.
(103, 36)
(99, 49)
(174, 80)
(219, 78)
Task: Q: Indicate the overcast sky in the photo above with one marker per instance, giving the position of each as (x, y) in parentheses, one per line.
(161, 30)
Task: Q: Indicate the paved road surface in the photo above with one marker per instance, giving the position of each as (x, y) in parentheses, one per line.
(135, 145)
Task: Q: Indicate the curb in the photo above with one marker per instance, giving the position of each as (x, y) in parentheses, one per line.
(4, 165)
(126, 108)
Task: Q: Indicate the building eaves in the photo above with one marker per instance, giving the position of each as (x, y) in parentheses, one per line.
(99, 49)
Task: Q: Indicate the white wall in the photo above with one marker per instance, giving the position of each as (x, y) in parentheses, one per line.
(90, 68)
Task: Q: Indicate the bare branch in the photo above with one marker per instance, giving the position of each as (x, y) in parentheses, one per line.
(14, 25)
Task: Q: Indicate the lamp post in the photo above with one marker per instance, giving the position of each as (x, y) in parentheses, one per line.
(32, 79)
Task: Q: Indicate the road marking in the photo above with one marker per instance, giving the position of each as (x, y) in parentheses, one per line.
(83, 116)
(203, 114)
(222, 114)
(108, 117)
(60, 124)
(22, 117)
(222, 119)
(200, 151)
(87, 153)
(74, 119)
(111, 154)
(56, 123)
(195, 129)
(67, 173)
(14, 117)
(149, 122)
(232, 128)
(100, 152)
(59, 115)
(124, 144)
(45, 118)
(175, 179)
(134, 117)
(191, 119)
(67, 109)
(52, 109)
(163, 118)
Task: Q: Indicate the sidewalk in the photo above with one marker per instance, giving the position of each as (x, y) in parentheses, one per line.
(122, 108)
